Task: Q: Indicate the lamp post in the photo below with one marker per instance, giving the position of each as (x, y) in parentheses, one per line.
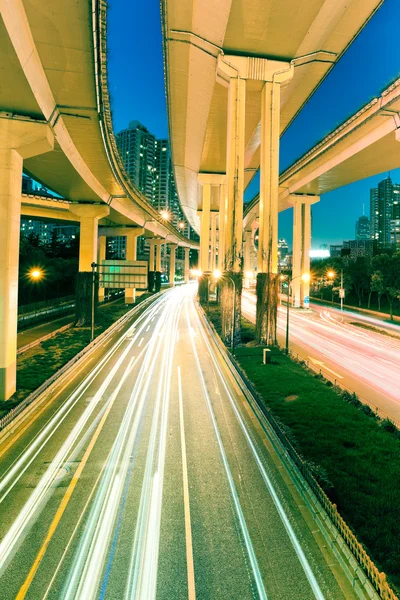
(305, 277)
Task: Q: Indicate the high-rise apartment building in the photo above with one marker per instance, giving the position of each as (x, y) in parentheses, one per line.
(381, 208)
(395, 222)
(362, 228)
(137, 148)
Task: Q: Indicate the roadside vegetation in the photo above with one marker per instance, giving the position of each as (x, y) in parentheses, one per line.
(35, 366)
(354, 456)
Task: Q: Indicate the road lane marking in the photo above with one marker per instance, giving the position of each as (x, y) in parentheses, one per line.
(188, 527)
(235, 497)
(141, 341)
(67, 496)
(148, 328)
(281, 511)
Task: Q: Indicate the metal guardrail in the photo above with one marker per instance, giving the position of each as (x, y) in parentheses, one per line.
(376, 578)
(59, 375)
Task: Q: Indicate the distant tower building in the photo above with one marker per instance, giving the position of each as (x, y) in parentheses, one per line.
(137, 148)
(381, 206)
(283, 251)
(362, 228)
(395, 221)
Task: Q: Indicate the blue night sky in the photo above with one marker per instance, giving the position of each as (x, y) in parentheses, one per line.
(372, 62)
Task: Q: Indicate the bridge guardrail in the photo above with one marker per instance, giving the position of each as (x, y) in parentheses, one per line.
(376, 578)
(59, 376)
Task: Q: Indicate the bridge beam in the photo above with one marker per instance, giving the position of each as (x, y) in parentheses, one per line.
(301, 247)
(19, 139)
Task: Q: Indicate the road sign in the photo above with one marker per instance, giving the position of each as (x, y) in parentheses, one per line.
(123, 274)
(306, 299)
(341, 292)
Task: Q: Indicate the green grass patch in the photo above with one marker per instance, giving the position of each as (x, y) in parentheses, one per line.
(356, 458)
(37, 365)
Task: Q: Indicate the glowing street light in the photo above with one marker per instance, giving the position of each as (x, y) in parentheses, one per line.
(181, 225)
(331, 274)
(35, 274)
(165, 215)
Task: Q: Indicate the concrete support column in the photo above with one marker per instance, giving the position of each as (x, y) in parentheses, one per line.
(235, 173)
(19, 139)
(172, 263)
(247, 266)
(187, 264)
(89, 215)
(221, 225)
(101, 257)
(213, 245)
(157, 274)
(151, 274)
(301, 247)
(205, 227)
(132, 235)
(296, 254)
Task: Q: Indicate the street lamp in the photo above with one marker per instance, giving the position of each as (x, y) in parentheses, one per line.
(219, 275)
(35, 274)
(181, 225)
(305, 277)
(165, 215)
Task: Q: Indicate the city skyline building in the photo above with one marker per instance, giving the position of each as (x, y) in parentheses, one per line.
(381, 209)
(362, 228)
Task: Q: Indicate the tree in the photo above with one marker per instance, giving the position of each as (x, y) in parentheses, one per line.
(377, 286)
(360, 274)
(387, 268)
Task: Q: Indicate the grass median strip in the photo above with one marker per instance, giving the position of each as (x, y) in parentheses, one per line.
(35, 366)
(355, 458)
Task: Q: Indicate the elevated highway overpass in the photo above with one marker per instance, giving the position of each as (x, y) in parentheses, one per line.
(237, 74)
(364, 145)
(55, 123)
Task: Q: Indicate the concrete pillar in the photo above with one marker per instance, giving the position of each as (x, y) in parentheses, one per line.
(187, 264)
(205, 226)
(301, 247)
(158, 243)
(152, 246)
(172, 262)
(221, 224)
(274, 74)
(132, 235)
(235, 173)
(296, 254)
(19, 139)
(102, 256)
(213, 245)
(247, 266)
(89, 215)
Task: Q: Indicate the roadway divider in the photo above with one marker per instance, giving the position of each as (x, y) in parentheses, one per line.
(23, 409)
(367, 311)
(352, 555)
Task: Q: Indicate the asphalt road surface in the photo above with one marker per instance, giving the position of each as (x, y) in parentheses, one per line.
(148, 476)
(348, 347)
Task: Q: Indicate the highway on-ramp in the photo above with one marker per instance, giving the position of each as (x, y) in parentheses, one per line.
(148, 476)
(355, 350)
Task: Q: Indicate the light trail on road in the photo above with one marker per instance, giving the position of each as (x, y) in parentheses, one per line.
(364, 360)
(148, 479)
